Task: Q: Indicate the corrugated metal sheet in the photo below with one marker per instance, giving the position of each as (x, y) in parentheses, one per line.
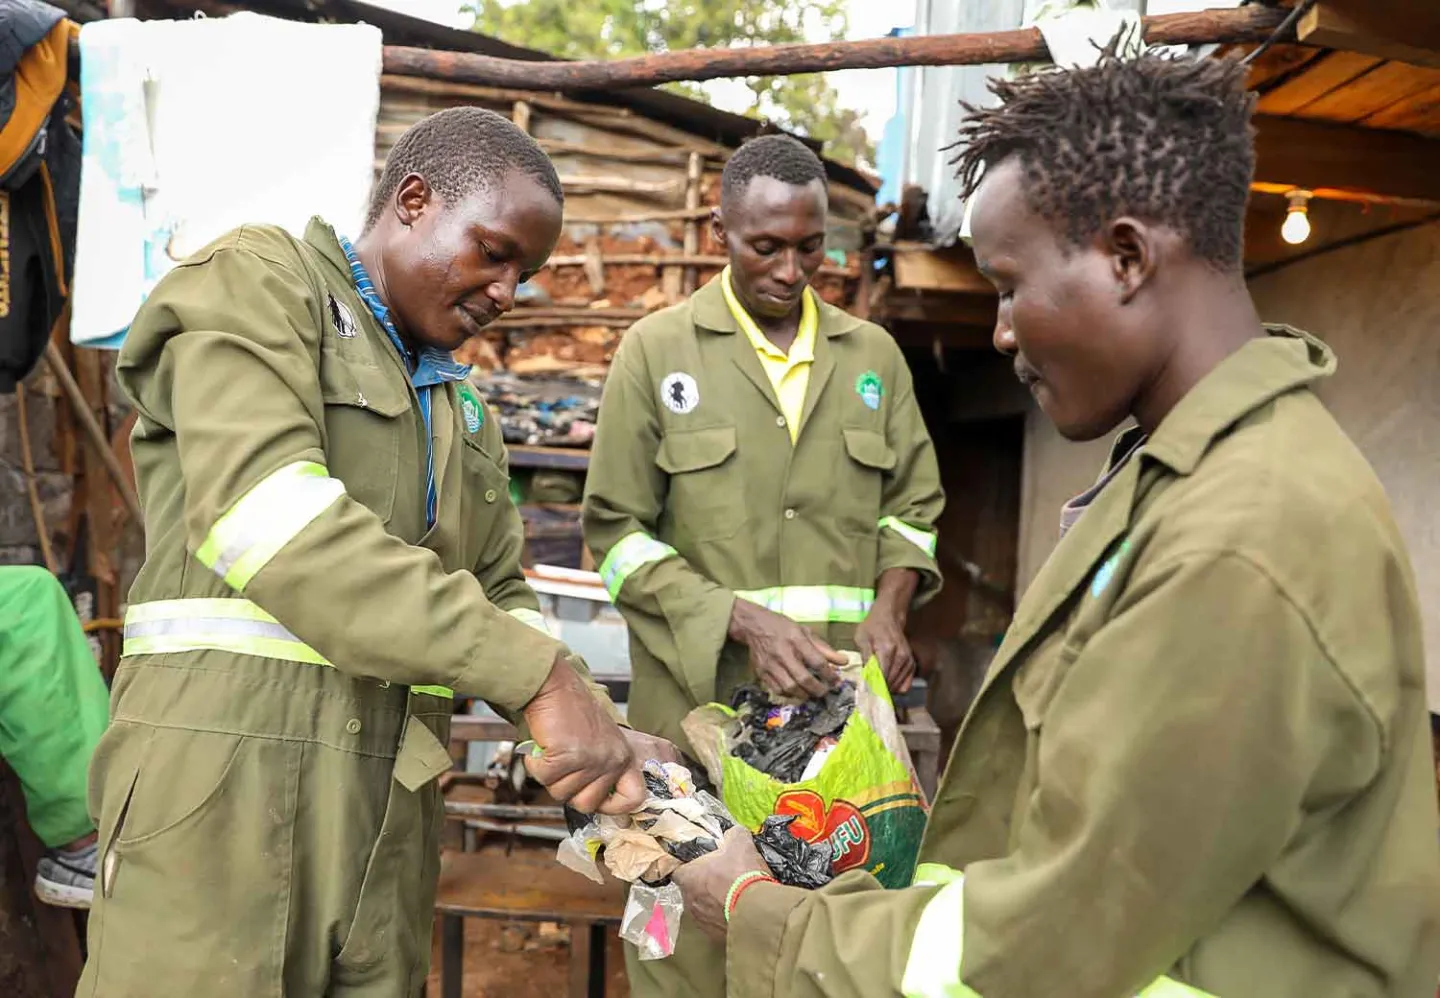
(931, 96)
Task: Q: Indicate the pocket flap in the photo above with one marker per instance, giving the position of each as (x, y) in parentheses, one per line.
(422, 756)
(869, 448)
(372, 388)
(694, 450)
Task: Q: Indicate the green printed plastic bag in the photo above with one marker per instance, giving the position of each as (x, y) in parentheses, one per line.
(865, 800)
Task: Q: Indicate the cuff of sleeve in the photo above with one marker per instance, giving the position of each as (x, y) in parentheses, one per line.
(896, 552)
(509, 678)
(701, 639)
(755, 937)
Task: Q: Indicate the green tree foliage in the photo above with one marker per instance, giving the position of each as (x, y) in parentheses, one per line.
(610, 29)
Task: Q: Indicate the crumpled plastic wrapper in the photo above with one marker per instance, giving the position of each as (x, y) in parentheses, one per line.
(677, 823)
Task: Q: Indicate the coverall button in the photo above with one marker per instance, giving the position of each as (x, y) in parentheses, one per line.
(353, 725)
(790, 514)
(779, 420)
(489, 495)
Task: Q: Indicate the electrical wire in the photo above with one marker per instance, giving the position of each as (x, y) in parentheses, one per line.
(1285, 27)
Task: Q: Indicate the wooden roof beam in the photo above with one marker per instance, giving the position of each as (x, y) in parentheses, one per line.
(1405, 30)
(1245, 24)
(1343, 162)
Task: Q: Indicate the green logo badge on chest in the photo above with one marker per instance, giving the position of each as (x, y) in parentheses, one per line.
(471, 409)
(870, 389)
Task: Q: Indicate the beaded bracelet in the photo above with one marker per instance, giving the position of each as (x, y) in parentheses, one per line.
(747, 879)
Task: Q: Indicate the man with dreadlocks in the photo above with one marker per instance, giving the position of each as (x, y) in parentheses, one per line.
(330, 552)
(762, 489)
(1198, 765)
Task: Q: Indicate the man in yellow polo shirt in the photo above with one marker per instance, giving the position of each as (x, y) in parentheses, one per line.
(762, 490)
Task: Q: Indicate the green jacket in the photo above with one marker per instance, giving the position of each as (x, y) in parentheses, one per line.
(1200, 761)
(695, 493)
(281, 459)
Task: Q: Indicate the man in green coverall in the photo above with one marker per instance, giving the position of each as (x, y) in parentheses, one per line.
(331, 551)
(762, 489)
(53, 707)
(1199, 764)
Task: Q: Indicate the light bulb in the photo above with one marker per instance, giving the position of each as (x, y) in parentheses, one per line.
(1296, 228)
(1297, 219)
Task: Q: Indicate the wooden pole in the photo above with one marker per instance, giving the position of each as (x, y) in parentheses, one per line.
(93, 432)
(694, 172)
(1245, 24)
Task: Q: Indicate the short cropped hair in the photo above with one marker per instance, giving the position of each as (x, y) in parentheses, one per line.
(780, 157)
(461, 150)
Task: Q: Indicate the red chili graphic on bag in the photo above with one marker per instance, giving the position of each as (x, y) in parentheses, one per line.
(841, 825)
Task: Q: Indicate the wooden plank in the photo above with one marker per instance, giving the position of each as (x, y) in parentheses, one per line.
(1421, 113)
(1391, 29)
(1278, 64)
(526, 884)
(927, 268)
(1358, 163)
(561, 458)
(1245, 24)
(638, 217)
(1320, 78)
(1387, 84)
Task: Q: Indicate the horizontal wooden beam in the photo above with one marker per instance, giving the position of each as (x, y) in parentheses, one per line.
(1405, 30)
(1344, 162)
(1245, 24)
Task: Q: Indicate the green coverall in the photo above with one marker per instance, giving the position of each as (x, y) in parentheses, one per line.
(697, 497)
(1200, 763)
(269, 818)
(53, 702)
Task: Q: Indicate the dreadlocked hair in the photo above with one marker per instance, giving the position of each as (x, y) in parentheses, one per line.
(1165, 139)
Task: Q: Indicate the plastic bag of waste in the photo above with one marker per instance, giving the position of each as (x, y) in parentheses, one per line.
(861, 800)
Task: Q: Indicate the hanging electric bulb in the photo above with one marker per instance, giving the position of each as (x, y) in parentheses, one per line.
(1297, 218)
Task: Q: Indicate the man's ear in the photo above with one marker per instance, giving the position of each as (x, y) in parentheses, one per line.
(717, 225)
(1132, 247)
(412, 198)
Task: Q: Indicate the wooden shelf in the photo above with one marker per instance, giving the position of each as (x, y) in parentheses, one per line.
(560, 458)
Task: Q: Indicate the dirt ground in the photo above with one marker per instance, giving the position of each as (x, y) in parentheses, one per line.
(522, 960)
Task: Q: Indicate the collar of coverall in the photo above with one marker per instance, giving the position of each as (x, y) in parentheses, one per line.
(708, 307)
(1260, 371)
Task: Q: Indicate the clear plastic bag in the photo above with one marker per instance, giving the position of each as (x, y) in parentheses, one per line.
(652, 920)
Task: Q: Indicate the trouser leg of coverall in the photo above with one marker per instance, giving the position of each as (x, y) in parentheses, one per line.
(236, 865)
(695, 970)
(53, 702)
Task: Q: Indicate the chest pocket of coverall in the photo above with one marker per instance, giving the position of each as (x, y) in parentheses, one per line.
(706, 487)
(363, 406)
(485, 489)
(862, 473)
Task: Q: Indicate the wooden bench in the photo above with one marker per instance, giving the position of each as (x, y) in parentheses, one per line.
(525, 883)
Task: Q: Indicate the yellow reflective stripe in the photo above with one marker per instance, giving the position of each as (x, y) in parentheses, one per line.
(1168, 987)
(922, 539)
(633, 552)
(933, 968)
(934, 875)
(267, 518)
(234, 625)
(532, 617)
(239, 626)
(814, 604)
